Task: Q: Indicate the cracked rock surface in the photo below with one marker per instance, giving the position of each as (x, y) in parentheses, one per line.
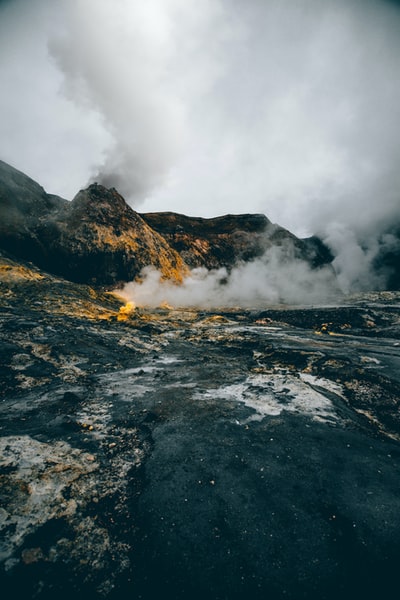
(190, 454)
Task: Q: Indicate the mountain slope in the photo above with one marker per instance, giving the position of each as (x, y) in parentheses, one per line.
(98, 239)
(226, 240)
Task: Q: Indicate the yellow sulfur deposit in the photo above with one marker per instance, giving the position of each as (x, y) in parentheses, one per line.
(126, 311)
(14, 273)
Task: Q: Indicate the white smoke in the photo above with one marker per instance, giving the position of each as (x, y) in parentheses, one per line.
(354, 259)
(271, 279)
(140, 64)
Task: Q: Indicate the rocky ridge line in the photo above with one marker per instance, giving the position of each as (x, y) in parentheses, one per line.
(98, 239)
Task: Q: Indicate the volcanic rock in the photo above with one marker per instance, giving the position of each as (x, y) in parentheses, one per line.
(226, 240)
(97, 238)
(212, 243)
(193, 454)
(100, 239)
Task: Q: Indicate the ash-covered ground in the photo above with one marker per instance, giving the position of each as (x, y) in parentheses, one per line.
(189, 454)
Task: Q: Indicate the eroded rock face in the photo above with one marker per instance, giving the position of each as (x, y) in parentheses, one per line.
(224, 241)
(97, 238)
(212, 243)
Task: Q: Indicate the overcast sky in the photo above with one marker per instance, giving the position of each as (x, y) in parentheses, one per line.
(286, 107)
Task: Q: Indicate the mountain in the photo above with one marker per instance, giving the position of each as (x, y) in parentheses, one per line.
(223, 241)
(98, 239)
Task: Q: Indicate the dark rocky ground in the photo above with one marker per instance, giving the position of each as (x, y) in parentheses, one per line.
(186, 454)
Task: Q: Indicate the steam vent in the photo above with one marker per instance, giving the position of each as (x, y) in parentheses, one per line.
(215, 442)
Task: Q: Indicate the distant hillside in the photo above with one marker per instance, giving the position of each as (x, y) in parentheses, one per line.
(98, 239)
(223, 241)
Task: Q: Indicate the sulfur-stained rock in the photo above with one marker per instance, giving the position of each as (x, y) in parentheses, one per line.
(96, 238)
(224, 241)
(102, 240)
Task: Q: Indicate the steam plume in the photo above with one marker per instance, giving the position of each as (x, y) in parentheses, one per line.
(272, 279)
(126, 59)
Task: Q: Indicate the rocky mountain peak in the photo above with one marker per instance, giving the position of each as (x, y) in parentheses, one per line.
(99, 204)
(96, 197)
(98, 238)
